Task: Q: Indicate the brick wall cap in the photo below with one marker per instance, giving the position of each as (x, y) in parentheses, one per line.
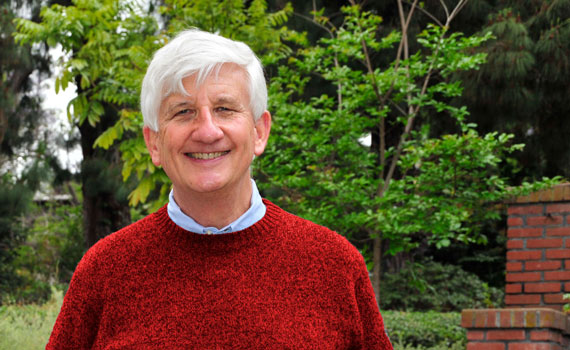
(556, 193)
(535, 317)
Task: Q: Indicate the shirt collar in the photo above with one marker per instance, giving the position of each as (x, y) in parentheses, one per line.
(255, 213)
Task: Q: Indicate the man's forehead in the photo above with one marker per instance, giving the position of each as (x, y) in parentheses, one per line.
(176, 99)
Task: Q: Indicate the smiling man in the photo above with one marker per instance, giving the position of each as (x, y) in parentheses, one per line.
(218, 267)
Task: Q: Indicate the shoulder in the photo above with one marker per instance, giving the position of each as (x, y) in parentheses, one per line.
(314, 238)
(127, 241)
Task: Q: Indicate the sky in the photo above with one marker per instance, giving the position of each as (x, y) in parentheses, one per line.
(56, 104)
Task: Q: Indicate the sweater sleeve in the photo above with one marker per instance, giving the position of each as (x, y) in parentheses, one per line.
(78, 321)
(373, 332)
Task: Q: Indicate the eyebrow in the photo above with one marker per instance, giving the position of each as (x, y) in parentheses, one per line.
(177, 105)
(226, 99)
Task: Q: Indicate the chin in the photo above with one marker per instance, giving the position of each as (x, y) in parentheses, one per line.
(208, 186)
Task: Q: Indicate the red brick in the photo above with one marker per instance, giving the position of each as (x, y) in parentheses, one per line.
(511, 334)
(558, 208)
(525, 209)
(525, 232)
(476, 335)
(485, 346)
(533, 346)
(544, 220)
(543, 335)
(514, 266)
(554, 299)
(542, 265)
(519, 319)
(513, 288)
(544, 243)
(492, 318)
(505, 319)
(524, 255)
(542, 287)
(567, 287)
(557, 231)
(480, 320)
(557, 275)
(467, 318)
(515, 221)
(523, 277)
(522, 299)
(515, 244)
(550, 319)
(558, 254)
(530, 318)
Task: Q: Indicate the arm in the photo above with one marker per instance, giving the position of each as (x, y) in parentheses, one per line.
(78, 321)
(373, 332)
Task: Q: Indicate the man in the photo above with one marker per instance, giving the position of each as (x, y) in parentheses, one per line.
(218, 267)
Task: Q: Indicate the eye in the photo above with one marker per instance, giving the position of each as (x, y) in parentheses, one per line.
(223, 109)
(182, 112)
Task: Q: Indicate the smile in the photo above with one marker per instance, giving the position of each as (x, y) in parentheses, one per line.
(210, 155)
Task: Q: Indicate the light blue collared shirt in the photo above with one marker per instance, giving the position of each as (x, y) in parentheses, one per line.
(255, 212)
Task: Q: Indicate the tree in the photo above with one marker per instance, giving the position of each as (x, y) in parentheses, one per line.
(26, 153)
(96, 36)
(522, 88)
(406, 187)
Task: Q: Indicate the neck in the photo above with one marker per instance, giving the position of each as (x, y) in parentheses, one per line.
(215, 209)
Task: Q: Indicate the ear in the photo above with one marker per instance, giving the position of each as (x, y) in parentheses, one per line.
(262, 129)
(152, 140)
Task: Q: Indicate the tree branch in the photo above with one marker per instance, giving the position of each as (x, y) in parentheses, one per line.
(422, 10)
(414, 111)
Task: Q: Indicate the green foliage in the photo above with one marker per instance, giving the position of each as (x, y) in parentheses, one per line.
(522, 87)
(55, 243)
(433, 286)
(20, 111)
(407, 184)
(14, 203)
(50, 246)
(425, 330)
(28, 326)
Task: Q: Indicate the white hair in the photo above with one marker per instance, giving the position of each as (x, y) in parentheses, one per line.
(195, 52)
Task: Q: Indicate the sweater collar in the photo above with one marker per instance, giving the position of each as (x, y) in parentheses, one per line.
(255, 213)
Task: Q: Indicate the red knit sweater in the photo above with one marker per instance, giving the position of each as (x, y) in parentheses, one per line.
(283, 283)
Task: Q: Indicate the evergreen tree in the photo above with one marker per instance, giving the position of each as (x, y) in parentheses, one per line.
(24, 154)
(524, 85)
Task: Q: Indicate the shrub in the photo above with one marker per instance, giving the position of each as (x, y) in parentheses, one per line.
(425, 330)
(52, 248)
(14, 204)
(436, 287)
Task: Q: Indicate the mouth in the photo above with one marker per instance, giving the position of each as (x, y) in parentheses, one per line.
(206, 155)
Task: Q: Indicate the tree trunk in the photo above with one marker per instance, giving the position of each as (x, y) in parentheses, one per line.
(377, 269)
(105, 210)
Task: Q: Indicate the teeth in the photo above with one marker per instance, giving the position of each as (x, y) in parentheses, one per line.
(206, 155)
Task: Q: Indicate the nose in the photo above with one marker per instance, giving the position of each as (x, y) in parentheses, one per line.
(206, 130)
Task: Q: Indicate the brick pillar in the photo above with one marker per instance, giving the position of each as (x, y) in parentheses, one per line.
(537, 276)
(538, 246)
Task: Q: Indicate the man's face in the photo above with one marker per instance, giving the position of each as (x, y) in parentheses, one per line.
(206, 140)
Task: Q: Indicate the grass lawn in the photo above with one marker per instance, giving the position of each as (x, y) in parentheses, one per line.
(28, 326)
